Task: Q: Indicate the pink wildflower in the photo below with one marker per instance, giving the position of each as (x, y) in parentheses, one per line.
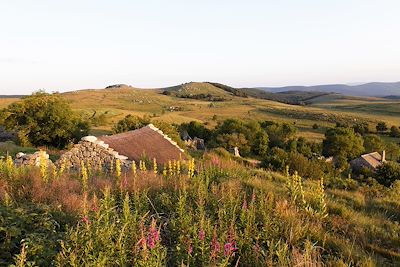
(253, 197)
(201, 234)
(215, 246)
(230, 249)
(85, 219)
(244, 205)
(153, 236)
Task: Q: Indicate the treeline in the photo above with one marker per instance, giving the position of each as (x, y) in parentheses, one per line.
(47, 120)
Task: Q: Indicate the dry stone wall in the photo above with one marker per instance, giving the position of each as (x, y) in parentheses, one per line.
(32, 159)
(93, 151)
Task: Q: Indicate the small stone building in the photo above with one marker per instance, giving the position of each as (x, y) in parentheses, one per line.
(370, 161)
(146, 143)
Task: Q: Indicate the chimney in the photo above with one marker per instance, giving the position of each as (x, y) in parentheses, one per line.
(383, 156)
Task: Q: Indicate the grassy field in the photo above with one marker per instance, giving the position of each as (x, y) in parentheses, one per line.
(216, 212)
(115, 103)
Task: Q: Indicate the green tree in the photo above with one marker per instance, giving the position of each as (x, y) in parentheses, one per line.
(388, 173)
(381, 127)
(44, 120)
(130, 123)
(361, 128)
(279, 133)
(196, 129)
(171, 130)
(342, 142)
(395, 131)
(392, 151)
(277, 159)
(248, 136)
(373, 143)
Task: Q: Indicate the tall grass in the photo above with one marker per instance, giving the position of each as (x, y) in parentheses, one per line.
(214, 212)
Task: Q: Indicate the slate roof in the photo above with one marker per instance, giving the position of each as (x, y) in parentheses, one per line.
(147, 142)
(372, 160)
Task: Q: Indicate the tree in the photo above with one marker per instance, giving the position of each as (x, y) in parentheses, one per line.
(277, 159)
(392, 151)
(171, 130)
(279, 133)
(248, 136)
(260, 146)
(44, 120)
(361, 128)
(395, 131)
(130, 123)
(388, 173)
(196, 129)
(373, 143)
(342, 142)
(381, 127)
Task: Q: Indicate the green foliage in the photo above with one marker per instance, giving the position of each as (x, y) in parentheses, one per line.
(388, 173)
(361, 128)
(373, 143)
(381, 127)
(276, 159)
(33, 227)
(217, 213)
(342, 142)
(279, 133)
(248, 136)
(392, 151)
(130, 123)
(170, 130)
(44, 120)
(196, 129)
(395, 131)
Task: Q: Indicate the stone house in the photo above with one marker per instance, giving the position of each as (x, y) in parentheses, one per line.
(370, 161)
(145, 143)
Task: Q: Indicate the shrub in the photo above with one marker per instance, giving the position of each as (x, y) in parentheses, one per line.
(130, 123)
(44, 120)
(381, 127)
(388, 173)
(343, 142)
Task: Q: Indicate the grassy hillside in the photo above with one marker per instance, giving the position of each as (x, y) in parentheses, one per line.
(116, 102)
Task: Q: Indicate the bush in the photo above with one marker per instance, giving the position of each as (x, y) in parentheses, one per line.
(395, 131)
(388, 173)
(196, 129)
(44, 120)
(130, 123)
(342, 142)
(381, 127)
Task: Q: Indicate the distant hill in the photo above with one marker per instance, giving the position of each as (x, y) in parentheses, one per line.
(12, 96)
(377, 89)
(198, 90)
(288, 97)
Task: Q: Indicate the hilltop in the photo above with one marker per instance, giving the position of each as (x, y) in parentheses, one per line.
(379, 89)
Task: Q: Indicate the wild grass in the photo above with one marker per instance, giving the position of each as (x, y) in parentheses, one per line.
(213, 212)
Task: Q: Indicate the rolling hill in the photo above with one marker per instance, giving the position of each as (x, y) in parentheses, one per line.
(377, 89)
(212, 102)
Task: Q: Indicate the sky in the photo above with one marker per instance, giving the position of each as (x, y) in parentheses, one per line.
(77, 44)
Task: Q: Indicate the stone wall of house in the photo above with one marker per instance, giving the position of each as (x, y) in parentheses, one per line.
(93, 151)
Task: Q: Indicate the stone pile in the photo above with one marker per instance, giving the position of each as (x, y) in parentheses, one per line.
(93, 151)
(32, 159)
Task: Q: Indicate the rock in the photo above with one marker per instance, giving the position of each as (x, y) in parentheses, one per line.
(20, 155)
(121, 157)
(89, 138)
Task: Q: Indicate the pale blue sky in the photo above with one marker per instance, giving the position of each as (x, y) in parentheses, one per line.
(71, 44)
